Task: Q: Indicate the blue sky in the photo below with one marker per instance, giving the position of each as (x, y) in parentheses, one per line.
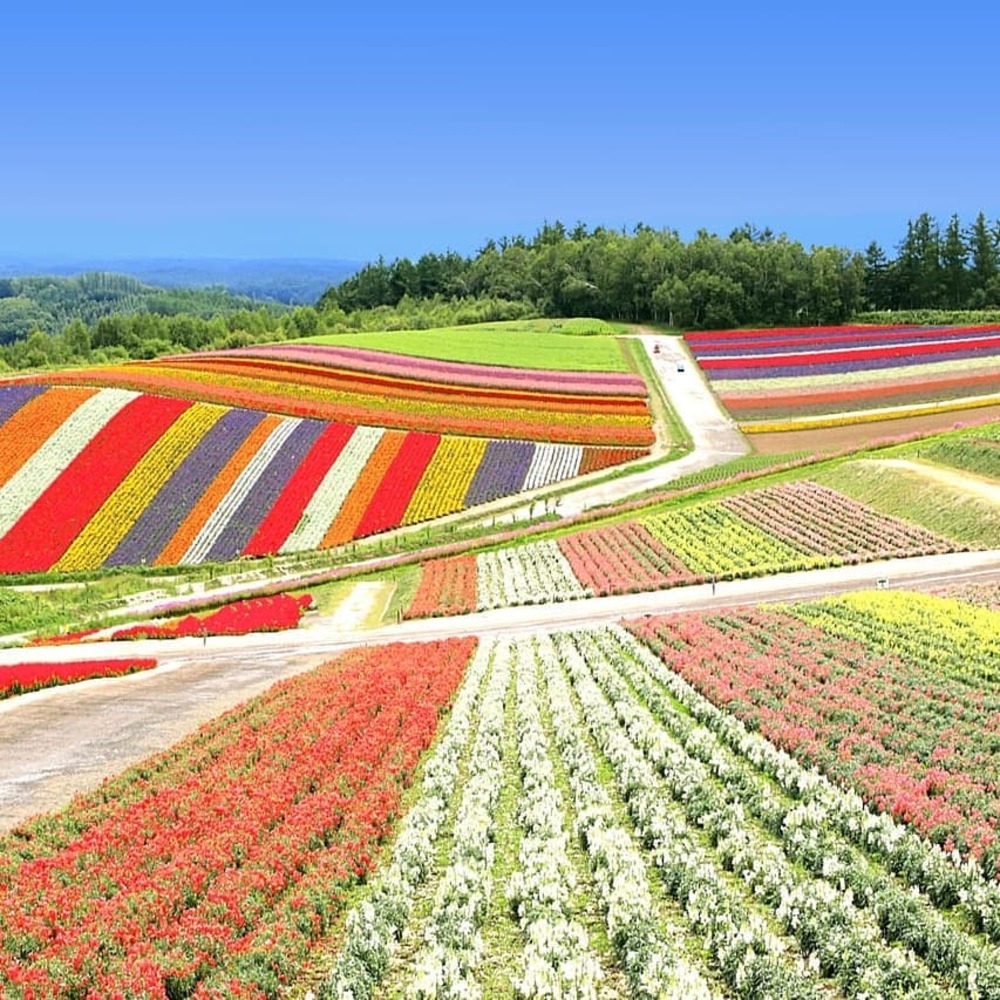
(293, 129)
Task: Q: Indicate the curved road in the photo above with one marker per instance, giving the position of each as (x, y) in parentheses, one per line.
(714, 435)
(63, 740)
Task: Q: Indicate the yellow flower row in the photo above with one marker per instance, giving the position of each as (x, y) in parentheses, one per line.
(869, 416)
(927, 625)
(446, 480)
(707, 538)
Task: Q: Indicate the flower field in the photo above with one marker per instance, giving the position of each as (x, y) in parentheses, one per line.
(797, 525)
(373, 388)
(894, 694)
(795, 802)
(20, 677)
(590, 825)
(259, 614)
(213, 869)
(113, 477)
(791, 378)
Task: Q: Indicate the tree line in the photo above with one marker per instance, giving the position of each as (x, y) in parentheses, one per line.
(48, 303)
(751, 277)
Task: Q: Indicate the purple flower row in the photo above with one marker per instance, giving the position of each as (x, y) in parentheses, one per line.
(13, 397)
(840, 367)
(501, 471)
(749, 348)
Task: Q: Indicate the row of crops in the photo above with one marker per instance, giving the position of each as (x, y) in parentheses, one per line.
(95, 478)
(780, 379)
(795, 525)
(359, 387)
(603, 813)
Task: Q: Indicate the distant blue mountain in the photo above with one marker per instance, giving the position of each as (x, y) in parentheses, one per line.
(294, 281)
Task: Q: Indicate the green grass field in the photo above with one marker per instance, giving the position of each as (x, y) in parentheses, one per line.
(559, 345)
(913, 498)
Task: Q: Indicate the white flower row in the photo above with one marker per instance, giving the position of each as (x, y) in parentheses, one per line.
(943, 876)
(213, 528)
(654, 969)
(452, 948)
(325, 503)
(810, 838)
(373, 928)
(552, 463)
(753, 960)
(42, 469)
(537, 573)
(558, 961)
(823, 918)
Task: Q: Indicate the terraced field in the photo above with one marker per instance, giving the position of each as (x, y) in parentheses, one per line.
(795, 379)
(797, 525)
(282, 449)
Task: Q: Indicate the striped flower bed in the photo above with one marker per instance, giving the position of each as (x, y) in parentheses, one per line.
(771, 377)
(794, 526)
(455, 373)
(329, 383)
(111, 477)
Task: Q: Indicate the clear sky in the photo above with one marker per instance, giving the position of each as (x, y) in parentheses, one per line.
(293, 129)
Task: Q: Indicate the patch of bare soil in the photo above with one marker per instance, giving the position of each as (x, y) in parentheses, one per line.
(834, 439)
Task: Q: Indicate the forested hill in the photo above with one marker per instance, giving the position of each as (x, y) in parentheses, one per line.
(750, 278)
(50, 303)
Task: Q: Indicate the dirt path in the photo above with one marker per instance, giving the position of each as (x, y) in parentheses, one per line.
(966, 482)
(60, 741)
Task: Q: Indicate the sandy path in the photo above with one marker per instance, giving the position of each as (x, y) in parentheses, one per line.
(63, 740)
(966, 482)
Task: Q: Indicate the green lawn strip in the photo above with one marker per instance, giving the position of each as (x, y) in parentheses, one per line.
(330, 596)
(976, 450)
(912, 497)
(672, 925)
(405, 582)
(586, 901)
(830, 855)
(542, 344)
(503, 942)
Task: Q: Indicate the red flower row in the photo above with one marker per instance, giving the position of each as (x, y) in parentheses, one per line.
(21, 677)
(447, 587)
(212, 869)
(259, 614)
